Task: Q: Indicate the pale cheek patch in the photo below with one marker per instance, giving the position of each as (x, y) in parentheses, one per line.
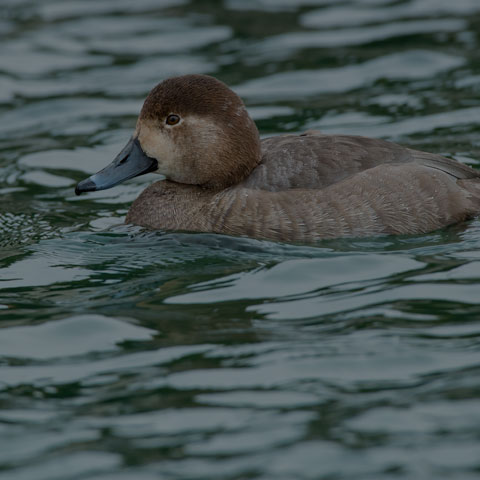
(158, 145)
(187, 152)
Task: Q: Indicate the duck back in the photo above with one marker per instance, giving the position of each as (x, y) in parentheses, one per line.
(314, 160)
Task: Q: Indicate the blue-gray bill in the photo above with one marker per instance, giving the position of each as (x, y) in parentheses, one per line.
(131, 162)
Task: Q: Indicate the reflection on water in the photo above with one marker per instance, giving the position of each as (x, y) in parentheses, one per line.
(127, 354)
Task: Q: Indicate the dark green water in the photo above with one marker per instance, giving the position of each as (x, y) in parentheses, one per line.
(126, 354)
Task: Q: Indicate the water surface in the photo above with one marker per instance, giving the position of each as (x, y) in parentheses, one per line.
(127, 354)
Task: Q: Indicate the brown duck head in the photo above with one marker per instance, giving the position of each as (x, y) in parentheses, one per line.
(192, 129)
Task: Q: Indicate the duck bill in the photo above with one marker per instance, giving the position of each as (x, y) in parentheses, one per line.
(130, 162)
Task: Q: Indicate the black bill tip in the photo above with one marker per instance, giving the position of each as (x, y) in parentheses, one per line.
(85, 186)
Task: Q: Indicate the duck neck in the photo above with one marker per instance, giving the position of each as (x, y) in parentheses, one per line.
(235, 155)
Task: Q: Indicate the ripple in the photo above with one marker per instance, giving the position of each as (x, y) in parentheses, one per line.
(260, 399)
(39, 270)
(426, 418)
(38, 62)
(306, 276)
(351, 15)
(394, 67)
(73, 8)
(77, 463)
(62, 115)
(133, 79)
(284, 45)
(77, 335)
(169, 42)
(68, 372)
(337, 303)
(84, 159)
(22, 449)
(46, 179)
(350, 361)
(18, 229)
(421, 123)
(277, 5)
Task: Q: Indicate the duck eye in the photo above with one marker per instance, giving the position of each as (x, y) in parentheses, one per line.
(172, 120)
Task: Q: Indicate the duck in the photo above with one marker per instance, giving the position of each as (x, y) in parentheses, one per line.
(220, 177)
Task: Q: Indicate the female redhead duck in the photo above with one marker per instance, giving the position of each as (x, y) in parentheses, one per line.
(220, 177)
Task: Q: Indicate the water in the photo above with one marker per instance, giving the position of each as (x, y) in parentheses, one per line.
(127, 354)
